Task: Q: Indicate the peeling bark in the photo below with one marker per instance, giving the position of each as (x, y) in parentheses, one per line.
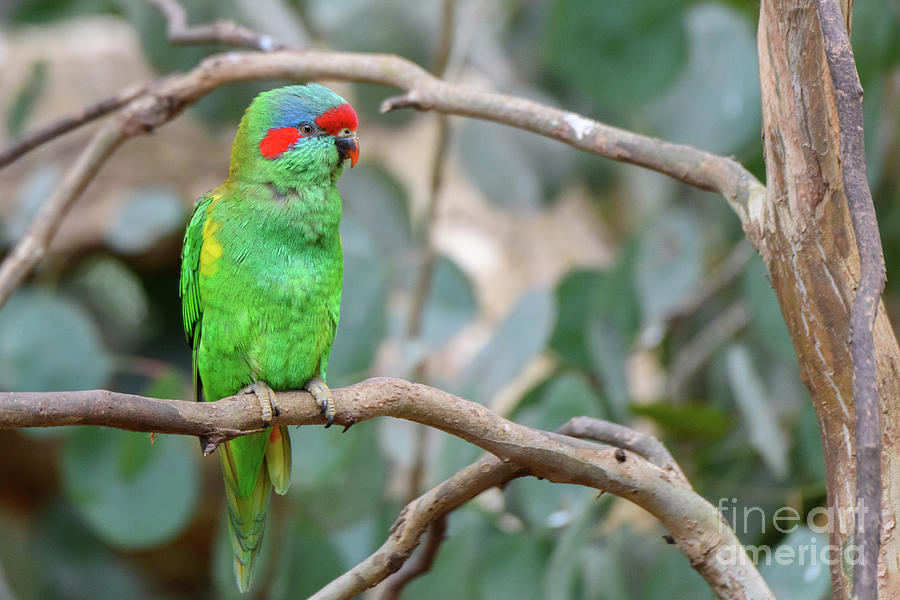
(804, 233)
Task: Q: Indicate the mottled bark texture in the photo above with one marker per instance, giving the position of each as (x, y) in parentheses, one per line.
(804, 232)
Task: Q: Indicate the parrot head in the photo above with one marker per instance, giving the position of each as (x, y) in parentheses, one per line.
(299, 130)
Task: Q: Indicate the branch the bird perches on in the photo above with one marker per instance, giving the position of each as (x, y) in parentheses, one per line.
(636, 468)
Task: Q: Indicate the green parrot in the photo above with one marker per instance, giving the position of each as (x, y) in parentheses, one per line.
(261, 276)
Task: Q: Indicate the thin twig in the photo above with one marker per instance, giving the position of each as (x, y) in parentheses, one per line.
(698, 529)
(848, 97)
(218, 32)
(692, 355)
(18, 148)
(415, 519)
(33, 245)
(420, 563)
(165, 100)
(646, 445)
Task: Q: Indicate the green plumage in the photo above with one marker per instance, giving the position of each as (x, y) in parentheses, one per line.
(261, 278)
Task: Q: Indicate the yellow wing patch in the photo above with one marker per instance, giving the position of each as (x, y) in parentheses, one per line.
(211, 251)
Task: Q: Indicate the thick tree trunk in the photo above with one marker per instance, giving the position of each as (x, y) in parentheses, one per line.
(804, 233)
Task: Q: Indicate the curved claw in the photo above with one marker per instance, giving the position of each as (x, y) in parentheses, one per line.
(322, 393)
(268, 402)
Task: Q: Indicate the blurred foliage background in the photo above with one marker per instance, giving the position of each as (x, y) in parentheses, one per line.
(563, 285)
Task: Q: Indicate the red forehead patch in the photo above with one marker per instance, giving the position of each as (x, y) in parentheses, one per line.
(278, 141)
(337, 118)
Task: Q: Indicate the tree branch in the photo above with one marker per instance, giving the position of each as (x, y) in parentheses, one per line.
(218, 32)
(165, 99)
(420, 564)
(848, 97)
(44, 134)
(696, 526)
(33, 245)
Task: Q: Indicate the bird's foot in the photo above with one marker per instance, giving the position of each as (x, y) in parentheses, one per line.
(322, 393)
(268, 402)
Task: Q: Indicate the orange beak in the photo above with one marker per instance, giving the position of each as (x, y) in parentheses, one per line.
(348, 147)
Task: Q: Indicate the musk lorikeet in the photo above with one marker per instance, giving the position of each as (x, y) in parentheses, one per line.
(261, 276)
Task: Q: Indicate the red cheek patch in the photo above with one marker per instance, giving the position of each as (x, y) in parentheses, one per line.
(278, 141)
(339, 117)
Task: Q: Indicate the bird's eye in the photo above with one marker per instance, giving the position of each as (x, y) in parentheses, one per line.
(306, 128)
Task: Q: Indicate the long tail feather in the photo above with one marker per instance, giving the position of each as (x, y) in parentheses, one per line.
(278, 459)
(246, 516)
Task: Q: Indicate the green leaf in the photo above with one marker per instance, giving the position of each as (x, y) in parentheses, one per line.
(20, 573)
(362, 324)
(133, 494)
(30, 196)
(512, 567)
(24, 102)
(451, 575)
(450, 304)
(602, 573)
(610, 354)
(686, 420)
(374, 200)
(48, 343)
(669, 263)
(563, 397)
(561, 573)
(671, 576)
(307, 561)
(337, 478)
(584, 296)
(541, 504)
(714, 104)
(808, 440)
(115, 294)
(522, 336)
(759, 415)
(766, 321)
(514, 169)
(592, 46)
(796, 568)
(145, 217)
(75, 565)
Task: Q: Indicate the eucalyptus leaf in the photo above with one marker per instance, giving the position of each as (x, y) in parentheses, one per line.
(511, 568)
(30, 196)
(592, 46)
(669, 263)
(362, 325)
(714, 104)
(23, 104)
(75, 565)
(796, 567)
(519, 338)
(766, 321)
(671, 576)
(146, 216)
(48, 343)
(307, 561)
(134, 494)
(690, 420)
(451, 575)
(116, 294)
(610, 356)
(450, 304)
(374, 200)
(336, 479)
(759, 414)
